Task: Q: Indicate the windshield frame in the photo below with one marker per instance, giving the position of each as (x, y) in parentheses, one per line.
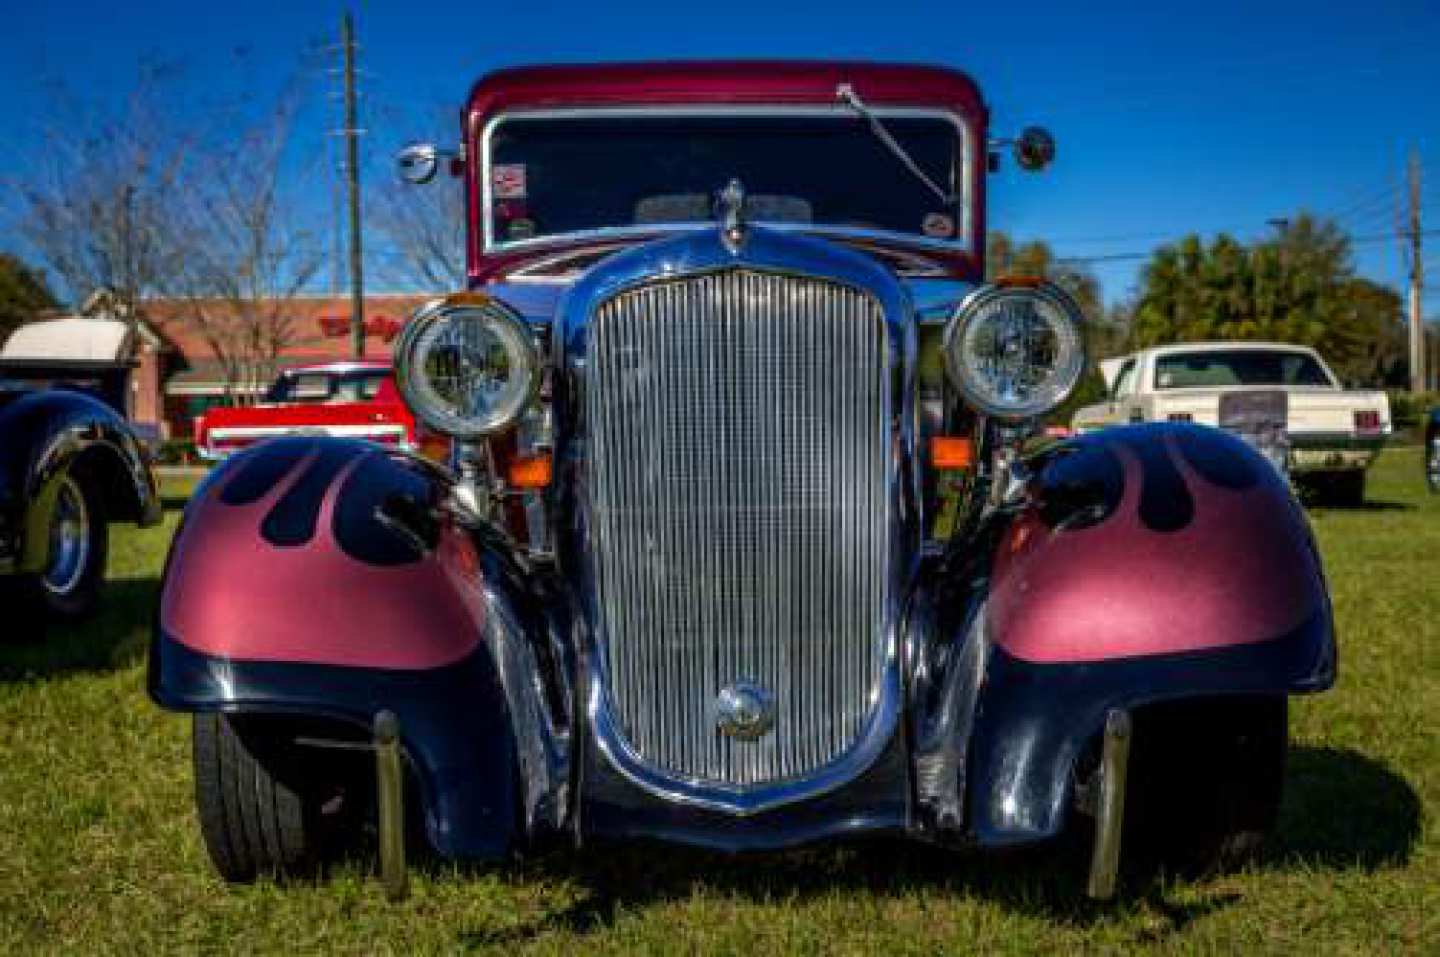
(966, 218)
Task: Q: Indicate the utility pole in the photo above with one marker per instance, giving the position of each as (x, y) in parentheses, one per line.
(1417, 280)
(337, 232)
(352, 179)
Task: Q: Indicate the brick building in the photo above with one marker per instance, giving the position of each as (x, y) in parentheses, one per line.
(186, 378)
(176, 375)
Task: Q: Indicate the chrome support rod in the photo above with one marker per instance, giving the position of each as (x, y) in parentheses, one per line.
(1110, 812)
(390, 798)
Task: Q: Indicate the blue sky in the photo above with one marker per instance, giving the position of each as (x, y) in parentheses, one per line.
(1169, 117)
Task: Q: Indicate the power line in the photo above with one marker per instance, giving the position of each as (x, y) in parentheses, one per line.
(1373, 199)
(1146, 254)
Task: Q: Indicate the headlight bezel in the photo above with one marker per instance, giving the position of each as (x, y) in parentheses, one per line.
(1069, 367)
(515, 336)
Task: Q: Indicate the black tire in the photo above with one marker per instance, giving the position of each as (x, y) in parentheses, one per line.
(69, 587)
(267, 806)
(1205, 781)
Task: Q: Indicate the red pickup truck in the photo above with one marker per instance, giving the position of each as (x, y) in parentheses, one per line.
(352, 399)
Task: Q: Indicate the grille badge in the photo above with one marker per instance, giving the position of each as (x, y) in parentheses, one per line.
(744, 711)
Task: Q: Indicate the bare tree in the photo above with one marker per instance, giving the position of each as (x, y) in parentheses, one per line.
(236, 253)
(421, 229)
(129, 200)
(92, 206)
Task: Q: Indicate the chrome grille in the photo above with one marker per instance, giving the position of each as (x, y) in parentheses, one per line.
(738, 499)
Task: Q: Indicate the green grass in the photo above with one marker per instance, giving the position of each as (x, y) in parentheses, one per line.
(100, 852)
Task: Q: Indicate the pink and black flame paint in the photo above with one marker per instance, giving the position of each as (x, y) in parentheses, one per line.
(285, 560)
(1153, 542)
(315, 577)
(1157, 563)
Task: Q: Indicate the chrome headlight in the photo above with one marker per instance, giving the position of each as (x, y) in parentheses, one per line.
(467, 369)
(1015, 351)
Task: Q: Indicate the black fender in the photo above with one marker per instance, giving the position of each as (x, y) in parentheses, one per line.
(44, 434)
(1146, 564)
(330, 579)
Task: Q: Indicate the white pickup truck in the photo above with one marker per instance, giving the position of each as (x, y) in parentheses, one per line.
(1330, 435)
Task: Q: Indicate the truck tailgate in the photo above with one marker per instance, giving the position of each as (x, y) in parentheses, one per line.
(1317, 410)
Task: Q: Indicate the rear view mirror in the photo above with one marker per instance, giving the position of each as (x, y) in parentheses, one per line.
(418, 163)
(1034, 149)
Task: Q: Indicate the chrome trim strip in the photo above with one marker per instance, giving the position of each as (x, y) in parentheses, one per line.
(968, 159)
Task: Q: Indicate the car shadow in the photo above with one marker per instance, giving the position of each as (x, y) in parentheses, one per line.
(1379, 827)
(114, 637)
(1370, 505)
(1343, 810)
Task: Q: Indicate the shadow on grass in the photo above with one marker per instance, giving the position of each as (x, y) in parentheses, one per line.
(114, 637)
(1369, 505)
(1342, 810)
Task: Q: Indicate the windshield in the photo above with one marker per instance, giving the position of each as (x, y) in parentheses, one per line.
(1200, 370)
(554, 175)
(326, 386)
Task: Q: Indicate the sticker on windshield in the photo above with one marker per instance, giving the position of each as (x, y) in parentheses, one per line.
(938, 225)
(508, 180)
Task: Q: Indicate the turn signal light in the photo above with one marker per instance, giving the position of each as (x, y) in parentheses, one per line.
(951, 453)
(530, 471)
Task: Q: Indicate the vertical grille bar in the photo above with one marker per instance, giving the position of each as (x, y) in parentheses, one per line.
(739, 428)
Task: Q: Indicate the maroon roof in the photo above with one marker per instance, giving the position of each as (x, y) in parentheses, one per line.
(724, 81)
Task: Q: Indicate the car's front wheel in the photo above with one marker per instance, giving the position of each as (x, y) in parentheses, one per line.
(269, 804)
(1205, 780)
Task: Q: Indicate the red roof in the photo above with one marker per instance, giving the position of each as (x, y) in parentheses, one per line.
(725, 81)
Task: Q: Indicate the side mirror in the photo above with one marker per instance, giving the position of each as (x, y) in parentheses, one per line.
(1034, 149)
(418, 163)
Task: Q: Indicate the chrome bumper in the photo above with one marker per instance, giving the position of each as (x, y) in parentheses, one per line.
(1332, 451)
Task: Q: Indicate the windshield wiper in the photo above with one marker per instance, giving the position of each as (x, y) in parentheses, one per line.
(845, 93)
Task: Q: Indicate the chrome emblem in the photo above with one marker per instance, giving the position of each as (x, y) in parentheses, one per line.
(732, 216)
(744, 711)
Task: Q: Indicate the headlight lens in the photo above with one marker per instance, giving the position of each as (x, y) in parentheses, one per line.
(467, 370)
(1015, 351)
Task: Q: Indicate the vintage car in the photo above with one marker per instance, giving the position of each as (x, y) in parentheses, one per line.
(350, 399)
(750, 539)
(1327, 437)
(69, 465)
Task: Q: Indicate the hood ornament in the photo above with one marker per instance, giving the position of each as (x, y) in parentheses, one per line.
(732, 213)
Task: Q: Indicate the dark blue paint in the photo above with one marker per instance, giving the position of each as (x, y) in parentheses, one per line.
(1034, 721)
(454, 726)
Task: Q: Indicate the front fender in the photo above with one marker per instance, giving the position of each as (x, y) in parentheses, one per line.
(45, 434)
(1152, 563)
(322, 577)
